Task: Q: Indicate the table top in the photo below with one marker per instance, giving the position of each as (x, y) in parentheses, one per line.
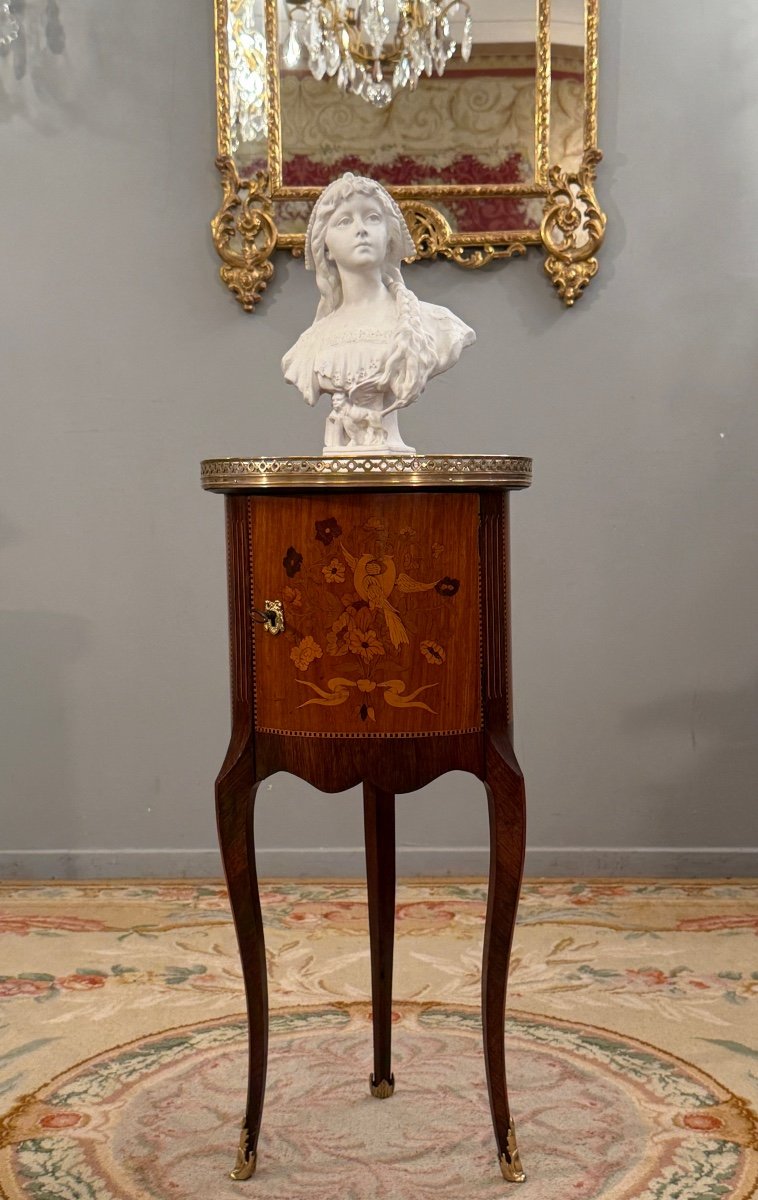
(503, 471)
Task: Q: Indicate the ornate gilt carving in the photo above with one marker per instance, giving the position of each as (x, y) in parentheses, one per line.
(429, 229)
(478, 256)
(590, 73)
(244, 233)
(433, 236)
(572, 228)
(542, 97)
(244, 1167)
(510, 1160)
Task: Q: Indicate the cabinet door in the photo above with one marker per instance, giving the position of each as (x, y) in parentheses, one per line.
(381, 600)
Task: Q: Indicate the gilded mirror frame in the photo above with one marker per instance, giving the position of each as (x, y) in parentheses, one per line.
(572, 227)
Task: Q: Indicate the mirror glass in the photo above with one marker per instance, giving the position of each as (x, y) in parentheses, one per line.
(567, 98)
(248, 76)
(473, 124)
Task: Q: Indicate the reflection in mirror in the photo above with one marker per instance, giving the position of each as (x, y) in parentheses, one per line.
(248, 109)
(375, 48)
(567, 95)
(473, 124)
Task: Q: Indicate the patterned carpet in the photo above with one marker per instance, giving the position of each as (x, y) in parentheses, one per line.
(632, 1040)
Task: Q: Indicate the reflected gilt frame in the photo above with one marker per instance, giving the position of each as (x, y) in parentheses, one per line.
(572, 228)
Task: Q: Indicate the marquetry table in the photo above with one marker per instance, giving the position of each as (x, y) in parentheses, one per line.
(370, 643)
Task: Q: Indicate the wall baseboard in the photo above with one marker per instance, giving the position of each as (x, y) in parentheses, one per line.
(685, 862)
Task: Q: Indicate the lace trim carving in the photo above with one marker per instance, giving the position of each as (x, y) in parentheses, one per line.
(342, 378)
(364, 333)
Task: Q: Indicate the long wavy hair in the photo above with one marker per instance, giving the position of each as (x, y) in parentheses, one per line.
(412, 357)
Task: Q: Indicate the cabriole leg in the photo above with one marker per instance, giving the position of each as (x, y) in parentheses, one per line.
(507, 810)
(379, 824)
(235, 802)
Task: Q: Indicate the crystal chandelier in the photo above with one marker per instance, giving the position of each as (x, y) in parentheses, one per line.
(373, 52)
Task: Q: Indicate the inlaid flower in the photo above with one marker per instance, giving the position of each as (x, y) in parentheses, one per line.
(365, 685)
(328, 530)
(408, 531)
(337, 638)
(304, 653)
(334, 572)
(437, 549)
(447, 586)
(292, 562)
(343, 622)
(433, 653)
(293, 597)
(363, 639)
(337, 643)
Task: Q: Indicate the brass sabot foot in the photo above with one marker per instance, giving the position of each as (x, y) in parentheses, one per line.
(383, 1090)
(244, 1167)
(510, 1160)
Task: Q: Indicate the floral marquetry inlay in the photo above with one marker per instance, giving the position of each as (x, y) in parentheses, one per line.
(381, 598)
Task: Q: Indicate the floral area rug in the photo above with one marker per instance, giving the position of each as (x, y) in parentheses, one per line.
(632, 1044)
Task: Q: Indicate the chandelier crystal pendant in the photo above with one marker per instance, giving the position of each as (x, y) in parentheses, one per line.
(374, 48)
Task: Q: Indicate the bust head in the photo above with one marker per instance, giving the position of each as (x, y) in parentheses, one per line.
(378, 353)
(355, 225)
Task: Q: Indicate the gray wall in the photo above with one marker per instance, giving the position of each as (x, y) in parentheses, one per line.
(125, 361)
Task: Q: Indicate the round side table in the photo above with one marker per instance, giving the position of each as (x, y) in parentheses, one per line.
(370, 643)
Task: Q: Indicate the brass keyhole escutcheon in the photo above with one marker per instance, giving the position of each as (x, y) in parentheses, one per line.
(272, 617)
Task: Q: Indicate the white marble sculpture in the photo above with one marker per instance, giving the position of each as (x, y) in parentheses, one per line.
(373, 344)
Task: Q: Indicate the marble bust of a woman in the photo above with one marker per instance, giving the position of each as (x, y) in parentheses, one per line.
(373, 345)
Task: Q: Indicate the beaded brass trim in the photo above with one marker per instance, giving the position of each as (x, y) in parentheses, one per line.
(432, 733)
(430, 470)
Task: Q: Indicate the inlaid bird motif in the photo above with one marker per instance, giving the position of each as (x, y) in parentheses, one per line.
(375, 578)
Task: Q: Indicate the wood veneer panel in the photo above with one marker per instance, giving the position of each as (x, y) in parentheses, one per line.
(381, 603)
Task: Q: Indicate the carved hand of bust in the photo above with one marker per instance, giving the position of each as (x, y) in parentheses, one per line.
(373, 344)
